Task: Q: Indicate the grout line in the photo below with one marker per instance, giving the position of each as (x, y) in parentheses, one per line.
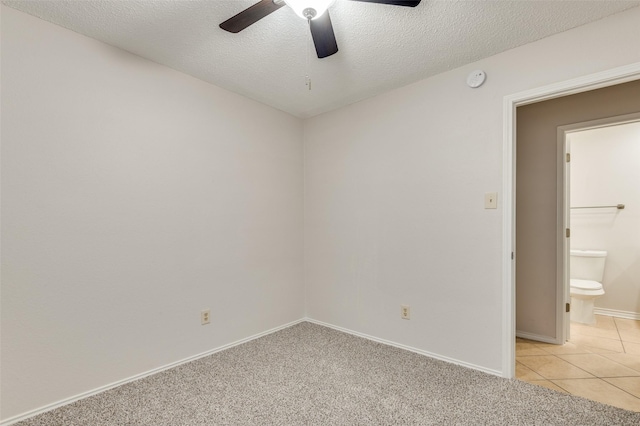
(607, 359)
(619, 336)
(545, 354)
(566, 360)
(620, 377)
(598, 337)
(578, 378)
(621, 364)
(561, 386)
(587, 378)
(619, 387)
(555, 356)
(624, 350)
(576, 365)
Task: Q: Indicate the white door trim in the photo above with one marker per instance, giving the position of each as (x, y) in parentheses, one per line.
(582, 84)
(562, 243)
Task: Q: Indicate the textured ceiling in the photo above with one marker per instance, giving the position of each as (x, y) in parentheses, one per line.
(381, 47)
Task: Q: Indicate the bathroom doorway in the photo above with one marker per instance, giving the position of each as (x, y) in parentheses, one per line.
(601, 362)
(538, 273)
(597, 179)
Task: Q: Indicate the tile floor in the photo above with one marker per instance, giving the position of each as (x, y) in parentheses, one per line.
(600, 362)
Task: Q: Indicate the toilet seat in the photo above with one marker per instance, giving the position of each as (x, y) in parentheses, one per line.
(585, 287)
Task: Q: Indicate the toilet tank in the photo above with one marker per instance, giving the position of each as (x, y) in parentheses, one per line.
(587, 264)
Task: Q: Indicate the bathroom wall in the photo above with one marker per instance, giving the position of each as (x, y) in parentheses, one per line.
(605, 170)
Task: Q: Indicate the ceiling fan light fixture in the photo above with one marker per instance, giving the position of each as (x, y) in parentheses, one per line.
(313, 11)
(309, 9)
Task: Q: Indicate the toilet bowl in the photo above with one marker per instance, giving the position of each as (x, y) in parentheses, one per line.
(586, 272)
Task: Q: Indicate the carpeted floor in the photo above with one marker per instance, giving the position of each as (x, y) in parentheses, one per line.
(313, 375)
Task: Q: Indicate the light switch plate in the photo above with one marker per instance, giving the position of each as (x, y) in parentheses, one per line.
(491, 200)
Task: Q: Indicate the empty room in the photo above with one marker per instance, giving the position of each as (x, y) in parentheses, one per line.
(316, 212)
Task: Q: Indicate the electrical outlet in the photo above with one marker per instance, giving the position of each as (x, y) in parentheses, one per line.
(405, 312)
(205, 316)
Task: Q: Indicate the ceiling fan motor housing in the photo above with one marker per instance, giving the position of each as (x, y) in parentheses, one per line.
(309, 13)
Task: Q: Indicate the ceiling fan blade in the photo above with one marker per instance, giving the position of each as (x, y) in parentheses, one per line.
(407, 3)
(250, 16)
(323, 36)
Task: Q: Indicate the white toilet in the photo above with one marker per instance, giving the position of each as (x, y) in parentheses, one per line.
(586, 272)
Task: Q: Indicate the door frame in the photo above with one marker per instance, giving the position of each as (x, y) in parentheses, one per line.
(563, 244)
(598, 80)
(563, 203)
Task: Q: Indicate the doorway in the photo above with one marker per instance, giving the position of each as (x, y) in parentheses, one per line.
(542, 242)
(624, 81)
(603, 162)
(602, 168)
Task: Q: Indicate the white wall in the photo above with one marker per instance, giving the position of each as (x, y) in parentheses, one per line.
(133, 196)
(605, 171)
(394, 190)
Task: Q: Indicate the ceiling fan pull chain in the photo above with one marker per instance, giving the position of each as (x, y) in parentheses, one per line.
(307, 79)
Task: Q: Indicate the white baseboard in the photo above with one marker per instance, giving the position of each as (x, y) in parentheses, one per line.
(537, 337)
(617, 314)
(409, 348)
(83, 395)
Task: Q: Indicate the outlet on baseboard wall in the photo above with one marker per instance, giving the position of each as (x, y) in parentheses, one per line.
(405, 312)
(205, 316)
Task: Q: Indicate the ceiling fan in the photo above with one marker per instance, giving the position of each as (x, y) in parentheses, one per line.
(314, 11)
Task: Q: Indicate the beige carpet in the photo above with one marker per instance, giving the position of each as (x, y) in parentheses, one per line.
(313, 375)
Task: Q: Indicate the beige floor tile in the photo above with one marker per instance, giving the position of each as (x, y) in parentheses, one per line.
(599, 366)
(599, 390)
(566, 349)
(547, 384)
(552, 367)
(601, 351)
(597, 344)
(587, 330)
(628, 360)
(627, 324)
(628, 384)
(526, 374)
(596, 350)
(527, 348)
(604, 322)
(632, 348)
(630, 335)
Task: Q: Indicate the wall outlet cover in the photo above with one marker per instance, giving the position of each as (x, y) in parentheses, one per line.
(405, 312)
(205, 316)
